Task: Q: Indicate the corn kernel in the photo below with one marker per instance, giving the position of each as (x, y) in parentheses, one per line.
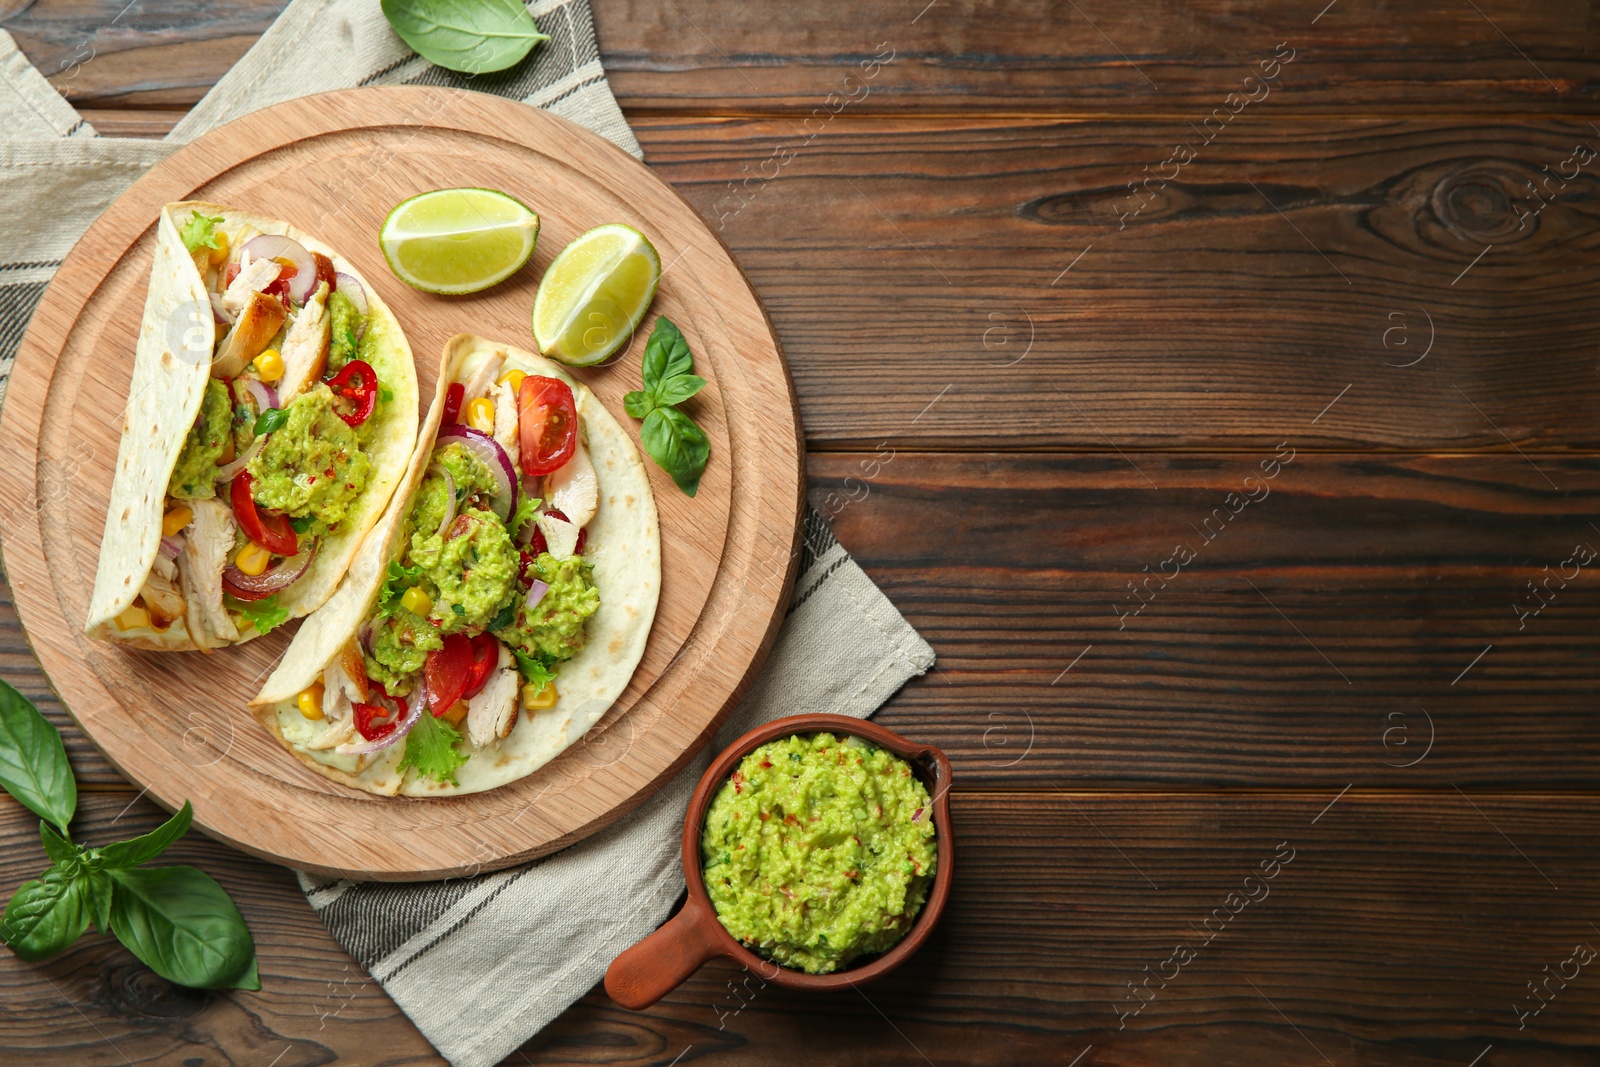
(513, 378)
(135, 618)
(416, 600)
(535, 698)
(457, 712)
(310, 701)
(480, 414)
(176, 520)
(252, 559)
(269, 365)
(219, 254)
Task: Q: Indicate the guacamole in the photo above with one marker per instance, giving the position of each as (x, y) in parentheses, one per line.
(473, 569)
(554, 628)
(312, 465)
(400, 645)
(471, 476)
(346, 326)
(195, 475)
(819, 850)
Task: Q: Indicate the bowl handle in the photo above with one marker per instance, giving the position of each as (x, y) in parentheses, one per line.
(657, 965)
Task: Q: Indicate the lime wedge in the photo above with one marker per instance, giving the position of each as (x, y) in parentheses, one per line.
(454, 241)
(591, 299)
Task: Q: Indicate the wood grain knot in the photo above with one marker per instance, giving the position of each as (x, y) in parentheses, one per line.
(1476, 202)
(134, 990)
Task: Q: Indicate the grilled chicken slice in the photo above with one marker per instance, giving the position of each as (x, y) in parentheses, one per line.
(481, 381)
(208, 540)
(252, 278)
(505, 422)
(258, 324)
(162, 599)
(305, 346)
(493, 712)
(574, 490)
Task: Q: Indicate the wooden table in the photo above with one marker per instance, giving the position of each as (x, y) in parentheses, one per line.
(1238, 486)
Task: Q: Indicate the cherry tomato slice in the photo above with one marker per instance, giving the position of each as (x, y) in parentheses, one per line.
(449, 671)
(452, 403)
(357, 384)
(271, 530)
(377, 720)
(548, 421)
(485, 657)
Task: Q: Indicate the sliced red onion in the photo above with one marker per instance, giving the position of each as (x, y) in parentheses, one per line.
(260, 586)
(171, 547)
(303, 282)
(352, 290)
(449, 500)
(536, 592)
(225, 474)
(218, 312)
(366, 636)
(264, 395)
(494, 457)
(418, 701)
(917, 815)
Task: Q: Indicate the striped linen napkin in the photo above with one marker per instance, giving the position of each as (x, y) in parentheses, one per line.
(479, 964)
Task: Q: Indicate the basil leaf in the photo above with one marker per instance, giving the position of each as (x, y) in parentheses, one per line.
(146, 847)
(63, 853)
(638, 404)
(470, 36)
(99, 888)
(270, 420)
(677, 445)
(666, 355)
(183, 926)
(45, 916)
(33, 762)
(679, 388)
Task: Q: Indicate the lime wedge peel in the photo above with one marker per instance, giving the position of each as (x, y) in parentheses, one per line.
(594, 295)
(455, 241)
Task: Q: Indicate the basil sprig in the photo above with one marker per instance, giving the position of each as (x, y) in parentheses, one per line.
(471, 37)
(178, 920)
(674, 441)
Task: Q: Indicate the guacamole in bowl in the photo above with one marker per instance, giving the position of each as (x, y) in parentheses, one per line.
(818, 850)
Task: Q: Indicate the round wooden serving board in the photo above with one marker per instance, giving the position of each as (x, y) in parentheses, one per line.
(334, 165)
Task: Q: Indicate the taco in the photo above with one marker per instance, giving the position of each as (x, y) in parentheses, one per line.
(500, 606)
(271, 415)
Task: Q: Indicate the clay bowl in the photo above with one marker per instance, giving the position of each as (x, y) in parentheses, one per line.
(657, 965)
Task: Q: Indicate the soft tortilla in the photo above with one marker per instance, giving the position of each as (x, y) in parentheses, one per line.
(624, 544)
(164, 400)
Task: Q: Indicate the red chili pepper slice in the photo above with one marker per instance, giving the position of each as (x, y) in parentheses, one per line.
(357, 384)
(452, 402)
(271, 530)
(377, 720)
(449, 671)
(485, 657)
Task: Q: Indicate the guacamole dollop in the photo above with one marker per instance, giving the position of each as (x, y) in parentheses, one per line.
(195, 475)
(472, 568)
(313, 465)
(471, 476)
(554, 628)
(818, 850)
(400, 645)
(346, 326)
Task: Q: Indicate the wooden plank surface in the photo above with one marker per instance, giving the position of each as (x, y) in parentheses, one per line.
(1374, 922)
(962, 57)
(1023, 383)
